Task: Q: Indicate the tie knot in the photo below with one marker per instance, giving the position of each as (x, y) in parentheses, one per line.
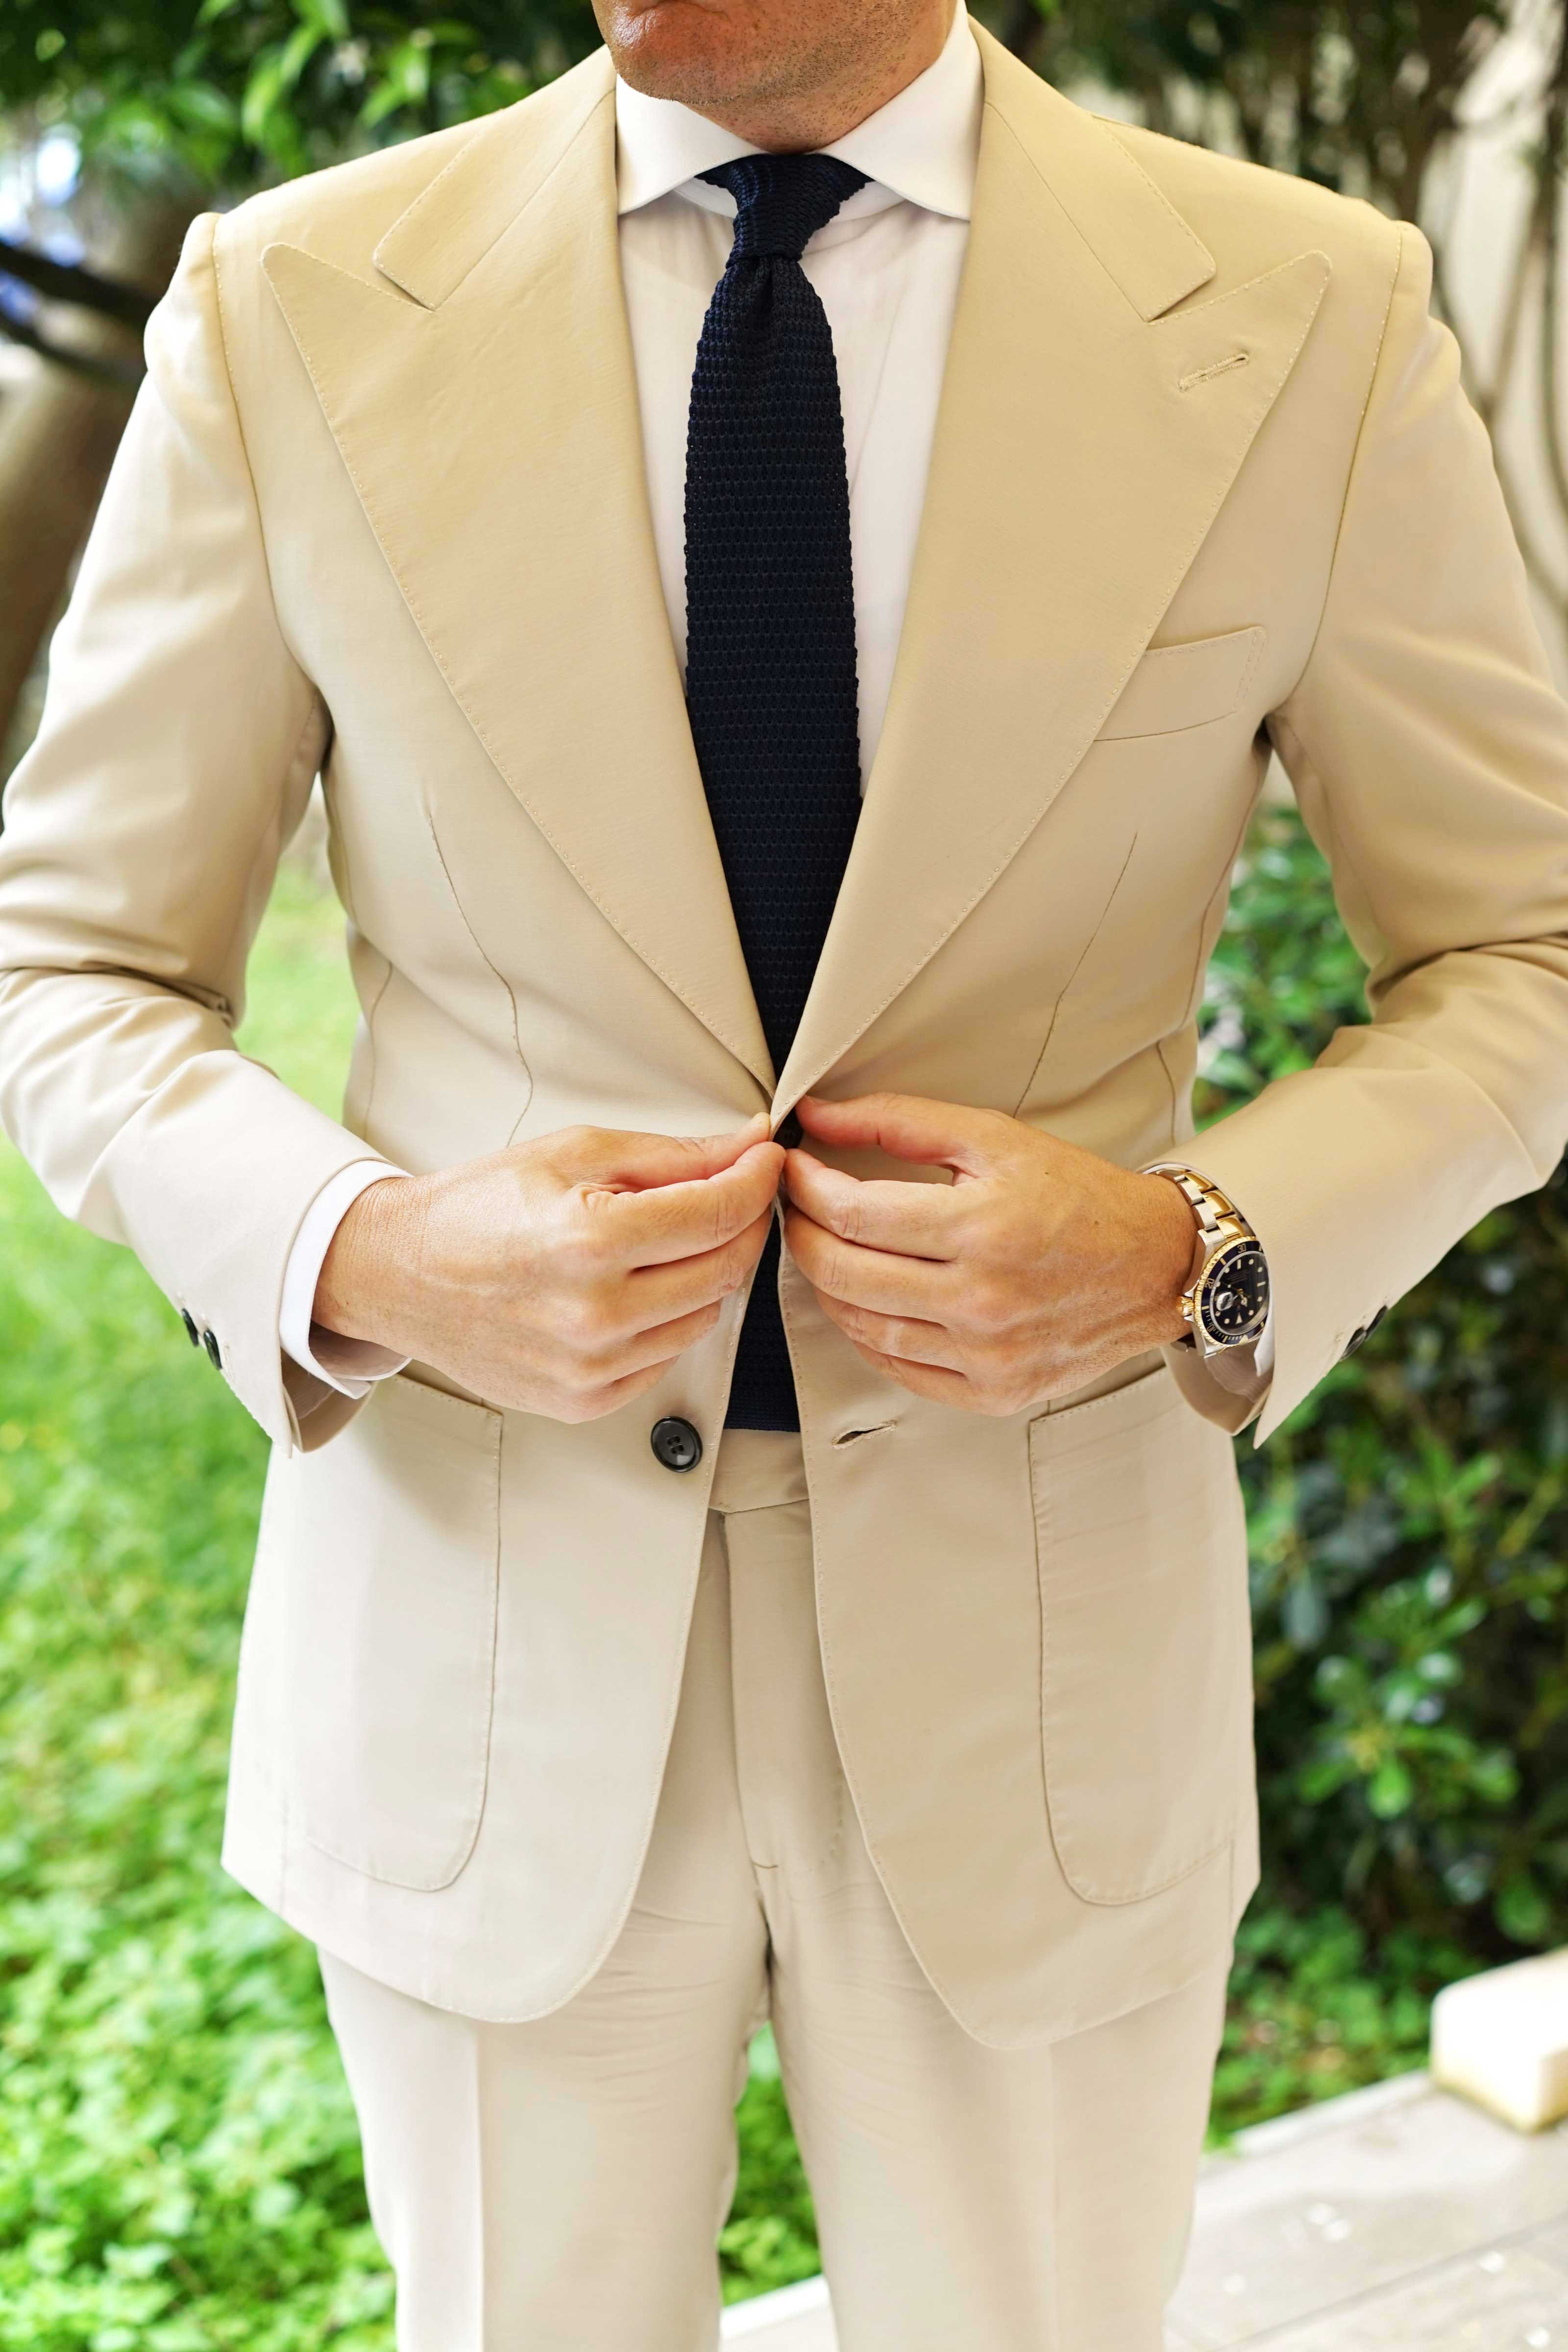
(780, 201)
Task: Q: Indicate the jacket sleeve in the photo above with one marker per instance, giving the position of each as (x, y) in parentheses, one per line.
(1428, 751)
(179, 741)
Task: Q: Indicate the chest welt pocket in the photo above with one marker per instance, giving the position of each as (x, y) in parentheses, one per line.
(1177, 687)
(391, 1583)
(1146, 1663)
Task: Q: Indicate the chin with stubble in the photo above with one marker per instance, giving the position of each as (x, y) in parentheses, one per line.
(782, 73)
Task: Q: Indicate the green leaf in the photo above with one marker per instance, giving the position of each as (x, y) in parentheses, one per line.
(297, 51)
(1323, 1777)
(1390, 1790)
(204, 107)
(1494, 1776)
(262, 92)
(1523, 1911)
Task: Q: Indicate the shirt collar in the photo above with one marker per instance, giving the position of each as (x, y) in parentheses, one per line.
(921, 146)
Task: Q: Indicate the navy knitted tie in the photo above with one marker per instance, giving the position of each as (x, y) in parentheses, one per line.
(770, 619)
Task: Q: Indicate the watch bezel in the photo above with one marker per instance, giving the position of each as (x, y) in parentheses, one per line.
(1214, 1267)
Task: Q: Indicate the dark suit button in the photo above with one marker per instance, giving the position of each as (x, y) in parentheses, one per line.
(189, 1320)
(209, 1341)
(676, 1443)
(789, 1132)
(1365, 1332)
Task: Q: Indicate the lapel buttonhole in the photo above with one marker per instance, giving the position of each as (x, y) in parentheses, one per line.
(1216, 367)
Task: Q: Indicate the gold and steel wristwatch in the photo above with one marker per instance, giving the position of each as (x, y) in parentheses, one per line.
(1226, 1302)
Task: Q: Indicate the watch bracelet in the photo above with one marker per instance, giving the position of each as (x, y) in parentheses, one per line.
(1209, 1195)
(1205, 1198)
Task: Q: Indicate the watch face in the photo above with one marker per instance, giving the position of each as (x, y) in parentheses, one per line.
(1233, 1297)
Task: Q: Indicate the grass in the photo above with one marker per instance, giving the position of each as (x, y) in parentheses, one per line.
(179, 2166)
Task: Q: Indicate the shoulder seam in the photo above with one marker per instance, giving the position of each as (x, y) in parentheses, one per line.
(229, 364)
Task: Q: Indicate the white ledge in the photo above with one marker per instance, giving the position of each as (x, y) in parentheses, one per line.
(1501, 2039)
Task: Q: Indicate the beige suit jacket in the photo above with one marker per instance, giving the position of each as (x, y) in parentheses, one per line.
(1204, 479)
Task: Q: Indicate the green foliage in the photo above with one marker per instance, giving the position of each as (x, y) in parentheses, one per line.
(235, 92)
(1310, 2015)
(770, 2238)
(1409, 1527)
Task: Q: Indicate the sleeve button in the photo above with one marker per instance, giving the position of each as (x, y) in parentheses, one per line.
(1365, 1332)
(209, 1341)
(189, 1320)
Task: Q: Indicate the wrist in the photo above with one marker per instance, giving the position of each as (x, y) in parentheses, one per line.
(364, 1281)
(1172, 1258)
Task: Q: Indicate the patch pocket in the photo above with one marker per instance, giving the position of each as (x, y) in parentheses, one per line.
(1146, 1653)
(1177, 687)
(393, 1576)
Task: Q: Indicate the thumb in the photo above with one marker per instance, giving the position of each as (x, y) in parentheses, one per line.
(632, 1162)
(909, 1127)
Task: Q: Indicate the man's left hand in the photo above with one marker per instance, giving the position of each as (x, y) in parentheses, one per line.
(1037, 1267)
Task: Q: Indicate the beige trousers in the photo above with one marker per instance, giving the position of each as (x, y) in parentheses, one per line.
(557, 2185)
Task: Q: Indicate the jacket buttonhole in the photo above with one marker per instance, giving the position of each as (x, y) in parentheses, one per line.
(1216, 367)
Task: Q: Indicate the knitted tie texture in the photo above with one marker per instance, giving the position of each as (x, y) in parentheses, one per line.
(770, 619)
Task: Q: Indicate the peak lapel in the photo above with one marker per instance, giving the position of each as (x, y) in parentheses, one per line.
(486, 414)
(1084, 445)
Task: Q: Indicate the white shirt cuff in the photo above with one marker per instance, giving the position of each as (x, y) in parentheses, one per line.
(1262, 1348)
(351, 1366)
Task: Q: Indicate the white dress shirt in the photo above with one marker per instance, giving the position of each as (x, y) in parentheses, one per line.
(887, 269)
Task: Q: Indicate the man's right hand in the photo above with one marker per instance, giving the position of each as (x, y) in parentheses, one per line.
(561, 1277)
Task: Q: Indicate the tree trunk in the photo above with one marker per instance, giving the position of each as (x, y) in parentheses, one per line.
(59, 433)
